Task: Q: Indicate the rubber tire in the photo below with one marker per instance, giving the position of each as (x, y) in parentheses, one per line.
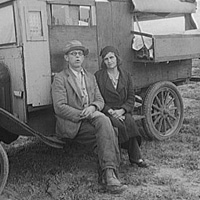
(4, 168)
(153, 94)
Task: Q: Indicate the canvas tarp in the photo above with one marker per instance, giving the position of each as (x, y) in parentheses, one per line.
(165, 6)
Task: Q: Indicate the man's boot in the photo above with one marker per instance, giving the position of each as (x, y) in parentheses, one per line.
(113, 185)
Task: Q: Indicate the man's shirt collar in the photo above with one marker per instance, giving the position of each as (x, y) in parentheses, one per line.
(76, 73)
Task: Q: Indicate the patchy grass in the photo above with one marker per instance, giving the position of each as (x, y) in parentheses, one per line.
(39, 172)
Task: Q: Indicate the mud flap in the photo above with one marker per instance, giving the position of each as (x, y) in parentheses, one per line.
(15, 126)
(6, 136)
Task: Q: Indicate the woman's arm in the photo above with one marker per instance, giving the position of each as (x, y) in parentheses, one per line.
(128, 106)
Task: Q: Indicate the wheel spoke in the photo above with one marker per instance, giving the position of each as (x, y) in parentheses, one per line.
(155, 113)
(171, 100)
(158, 101)
(156, 120)
(167, 96)
(172, 116)
(163, 98)
(173, 108)
(169, 123)
(160, 125)
(156, 107)
(165, 125)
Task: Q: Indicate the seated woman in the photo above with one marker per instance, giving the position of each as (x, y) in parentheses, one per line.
(116, 87)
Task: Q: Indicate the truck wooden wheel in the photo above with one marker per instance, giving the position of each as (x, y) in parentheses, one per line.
(4, 168)
(163, 110)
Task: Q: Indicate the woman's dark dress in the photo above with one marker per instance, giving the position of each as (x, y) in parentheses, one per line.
(121, 97)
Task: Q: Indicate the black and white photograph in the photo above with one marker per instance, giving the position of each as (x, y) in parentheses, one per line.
(99, 99)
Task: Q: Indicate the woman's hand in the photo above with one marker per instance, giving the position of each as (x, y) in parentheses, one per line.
(117, 113)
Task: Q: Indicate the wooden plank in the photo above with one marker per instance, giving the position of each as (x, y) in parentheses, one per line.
(121, 29)
(155, 16)
(18, 24)
(140, 33)
(179, 36)
(74, 2)
(145, 74)
(164, 6)
(104, 25)
(60, 35)
(180, 57)
(4, 1)
(114, 22)
(176, 47)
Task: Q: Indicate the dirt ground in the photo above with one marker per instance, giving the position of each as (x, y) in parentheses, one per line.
(39, 172)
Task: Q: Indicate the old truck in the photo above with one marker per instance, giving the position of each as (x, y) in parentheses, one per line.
(34, 32)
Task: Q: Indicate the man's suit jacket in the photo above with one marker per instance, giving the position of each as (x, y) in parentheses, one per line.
(67, 101)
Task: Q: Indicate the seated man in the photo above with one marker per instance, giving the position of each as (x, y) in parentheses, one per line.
(77, 102)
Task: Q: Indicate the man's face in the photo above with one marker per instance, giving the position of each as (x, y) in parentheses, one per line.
(75, 58)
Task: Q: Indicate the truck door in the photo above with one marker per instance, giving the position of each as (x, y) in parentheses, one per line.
(36, 53)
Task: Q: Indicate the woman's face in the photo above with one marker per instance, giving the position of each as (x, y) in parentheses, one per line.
(110, 60)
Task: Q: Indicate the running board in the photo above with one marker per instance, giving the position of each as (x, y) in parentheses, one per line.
(15, 126)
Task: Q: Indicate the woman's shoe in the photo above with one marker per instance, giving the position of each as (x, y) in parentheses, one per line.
(141, 163)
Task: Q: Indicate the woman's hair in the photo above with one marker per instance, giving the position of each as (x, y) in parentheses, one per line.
(107, 50)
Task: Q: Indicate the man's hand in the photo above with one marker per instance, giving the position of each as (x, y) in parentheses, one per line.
(87, 112)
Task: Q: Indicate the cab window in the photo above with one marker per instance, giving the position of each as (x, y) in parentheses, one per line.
(72, 15)
(7, 25)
